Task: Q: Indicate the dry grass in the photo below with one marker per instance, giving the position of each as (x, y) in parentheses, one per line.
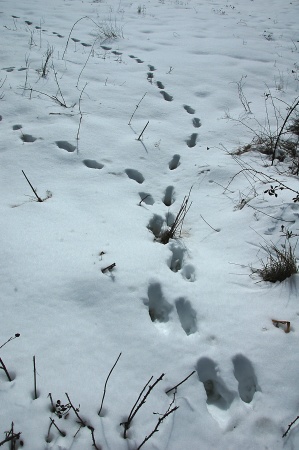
(280, 264)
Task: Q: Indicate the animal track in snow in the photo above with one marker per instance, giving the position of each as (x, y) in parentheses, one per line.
(104, 47)
(28, 138)
(139, 61)
(177, 257)
(146, 198)
(8, 69)
(166, 96)
(92, 164)
(196, 122)
(175, 162)
(135, 175)
(191, 142)
(160, 85)
(158, 307)
(188, 272)
(151, 68)
(187, 315)
(150, 77)
(65, 145)
(156, 224)
(219, 398)
(245, 375)
(17, 127)
(169, 199)
(189, 109)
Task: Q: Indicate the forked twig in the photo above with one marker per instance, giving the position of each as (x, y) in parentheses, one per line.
(137, 406)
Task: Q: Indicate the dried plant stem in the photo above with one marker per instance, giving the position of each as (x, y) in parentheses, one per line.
(169, 411)
(137, 406)
(3, 367)
(38, 198)
(179, 384)
(82, 423)
(290, 426)
(34, 376)
(106, 382)
(137, 106)
(140, 136)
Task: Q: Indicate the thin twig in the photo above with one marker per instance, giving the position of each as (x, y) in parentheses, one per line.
(34, 375)
(5, 370)
(142, 131)
(38, 198)
(179, 384)
(105, 386)
(290, 426)
(137, 106)
(160, 420)
(10, 339)
(132, 412)
(82, 423)
(210, 225)
(81, 117)
(136, 407)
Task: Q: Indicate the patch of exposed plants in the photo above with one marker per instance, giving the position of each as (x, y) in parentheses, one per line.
(279, 141)
(65, 415)
(279, 264)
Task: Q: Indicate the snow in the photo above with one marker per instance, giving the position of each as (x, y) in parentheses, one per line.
(189, 305)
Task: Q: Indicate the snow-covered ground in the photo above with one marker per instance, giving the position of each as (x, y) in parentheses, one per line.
(189, 305)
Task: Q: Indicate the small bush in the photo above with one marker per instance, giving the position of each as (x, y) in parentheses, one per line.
(280, 263)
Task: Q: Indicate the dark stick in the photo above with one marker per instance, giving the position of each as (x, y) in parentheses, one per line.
(160, 420)
(130, 416)
(179, 384)
(137, 106)
(38, 198)
(290, 426)
(93, 439)
(63, 434)
(5, 370)
(51, 400)
(34, 374)
(143, 131)
(108, 268)
(10, 339)
(139, 204)
(134, 412)
(75, 411)
(105, 386)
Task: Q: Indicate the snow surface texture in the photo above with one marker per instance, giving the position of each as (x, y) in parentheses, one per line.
(189, 305)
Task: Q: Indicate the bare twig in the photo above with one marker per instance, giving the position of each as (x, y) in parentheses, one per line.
(169, 411)
(108, 268)
(34, 376)
(3, 367)
(11, 339)
(82, 423)
(215, 229)
(290, 426)
(137, 406)
(179, 384)
(139, 138)
(38, 198)
(81, 117)
(106, 382)
(137, 106)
